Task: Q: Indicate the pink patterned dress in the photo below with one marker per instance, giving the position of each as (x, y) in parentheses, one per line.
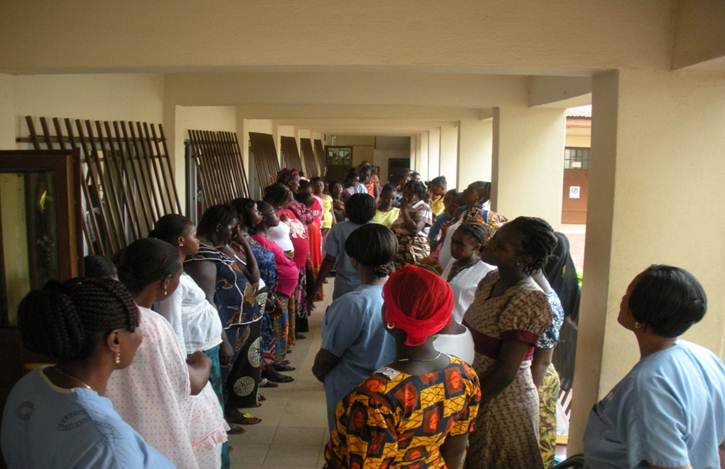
(153, 395)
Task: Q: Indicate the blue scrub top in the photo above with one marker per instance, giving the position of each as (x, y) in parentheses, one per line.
(346, 276)
(668, 411)
(47, 426)
(353, 330)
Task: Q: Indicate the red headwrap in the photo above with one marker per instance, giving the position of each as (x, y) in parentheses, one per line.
(418, 302)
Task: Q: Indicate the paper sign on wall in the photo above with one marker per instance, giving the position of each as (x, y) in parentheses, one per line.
(575, 192)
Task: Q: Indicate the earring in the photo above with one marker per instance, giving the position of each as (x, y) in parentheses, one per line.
(118, 358)
(637, 325)
(389, 326)
(166, 292)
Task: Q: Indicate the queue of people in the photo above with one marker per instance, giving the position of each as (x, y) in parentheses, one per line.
(437, 349)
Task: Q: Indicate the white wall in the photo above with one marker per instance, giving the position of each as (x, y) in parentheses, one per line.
(449, 155)
(434, 152)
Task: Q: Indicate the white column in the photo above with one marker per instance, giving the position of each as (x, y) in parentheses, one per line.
(434, 153)
(422, 166)
(528, 162)
(449, 155)
(475, 140)
(655, 196)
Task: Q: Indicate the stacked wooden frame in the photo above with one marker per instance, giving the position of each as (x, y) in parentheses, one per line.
(309, 155)
(219, 166)
(128, 180)
(290, 153)
(264, 155)
(319, 156)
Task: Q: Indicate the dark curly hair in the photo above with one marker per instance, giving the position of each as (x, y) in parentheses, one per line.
(214, 216)
(538, 240)
(418, 188)
(483, 188)
(63, 320)
(373, 245)
(668, 299)
(146, 261)
(243, 207)
(169, 227)
(277, 194)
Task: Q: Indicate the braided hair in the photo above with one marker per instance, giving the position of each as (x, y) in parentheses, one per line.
(169, 227)
(417, 188)
(277, 194)
(477, 231)
(538, 240)
(373, 245)
(63, 320)
(146, 261)
(243, 207)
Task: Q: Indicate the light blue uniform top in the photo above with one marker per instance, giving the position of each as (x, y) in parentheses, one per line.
(346, 277)
(353, 330)
(668, 411)
(45, 426)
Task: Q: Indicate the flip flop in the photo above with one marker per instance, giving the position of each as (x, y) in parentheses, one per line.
(244, 418)
(235, 429)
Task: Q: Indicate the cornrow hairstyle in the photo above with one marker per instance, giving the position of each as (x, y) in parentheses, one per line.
(146, 261)
(360, 208)
(418, 188)
(668, 299)
(98, 267)
(213, 216)
(483, 188)
(243, 207)
(276, 194)
(373, 245)
(538, 240)
(169, 227)
(478, 232)
(63, 320)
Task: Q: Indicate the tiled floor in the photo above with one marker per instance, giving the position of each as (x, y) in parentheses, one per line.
(293, 431)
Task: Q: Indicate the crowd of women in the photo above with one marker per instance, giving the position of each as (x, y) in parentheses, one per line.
(436, 349)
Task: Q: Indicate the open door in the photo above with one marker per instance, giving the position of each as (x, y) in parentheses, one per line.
(40, 240)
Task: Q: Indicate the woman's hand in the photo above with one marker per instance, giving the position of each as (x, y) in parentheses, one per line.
(226, 354)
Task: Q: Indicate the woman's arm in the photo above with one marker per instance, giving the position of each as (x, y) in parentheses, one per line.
(504, 369)
(327, 264)
(325, 361)
(541, 361)
(453, 450)
(204, 274)
(199, 366)
(250, 262)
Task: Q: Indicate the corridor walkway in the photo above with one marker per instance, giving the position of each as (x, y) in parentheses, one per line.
(293, 431)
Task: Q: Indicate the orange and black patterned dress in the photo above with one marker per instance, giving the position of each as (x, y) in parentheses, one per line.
(394, 419)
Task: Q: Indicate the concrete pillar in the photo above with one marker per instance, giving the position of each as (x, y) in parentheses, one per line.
(422, 166)
(7, 113)
(434, 153)
(655, 196)
(475, 140)
(449, 155)
(414, 163)
(528, 162)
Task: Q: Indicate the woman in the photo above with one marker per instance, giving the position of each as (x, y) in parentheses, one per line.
(287, 278)
(314, 231)
(560, 272)
(508, 315)
(319, 190)
(354, 341)
(476, 197)
(338, 205)
(418, 410)
(249, 221)
(165, 394)
(281, 198)
(386, 214)
(669, 410)
(413, 224)
(216, 270)
(544, 374)
(437, 190)
(360, 210)
(56, 416)
(463, 273)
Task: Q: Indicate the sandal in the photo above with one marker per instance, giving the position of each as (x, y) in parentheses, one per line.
(279, 367)
(243, 418)
(276, 377)
(235, 429)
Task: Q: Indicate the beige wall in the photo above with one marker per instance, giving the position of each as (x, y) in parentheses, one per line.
(644, 180)
(434, 152)
(475, 147)
(528, 162)
(7, 132)
(700, 32)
